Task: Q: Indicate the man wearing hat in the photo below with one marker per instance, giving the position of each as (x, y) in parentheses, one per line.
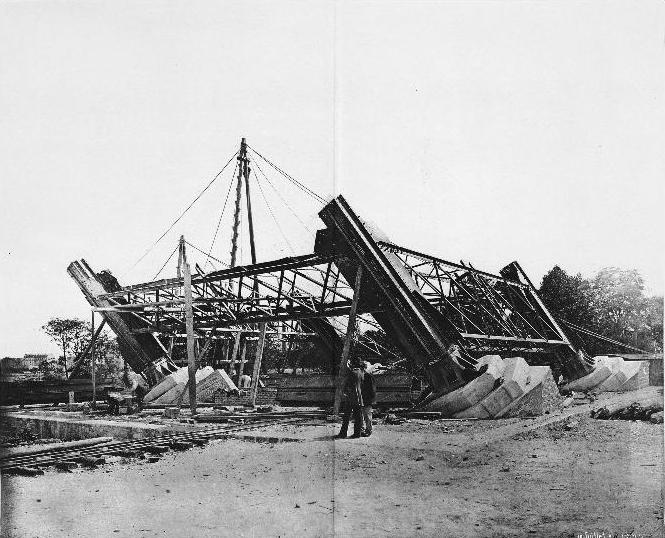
(353, 400)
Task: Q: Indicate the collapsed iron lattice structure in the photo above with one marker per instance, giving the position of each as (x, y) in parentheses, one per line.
(493, 313)
(440, 314)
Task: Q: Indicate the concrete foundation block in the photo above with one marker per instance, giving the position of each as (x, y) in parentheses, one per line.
(625, 371)
(171, 396)
(589, 381)
(515, 376)
(205, 390)
(639, 380)
(170, 381)
(541, 395)
(514, 380)
(470, 394)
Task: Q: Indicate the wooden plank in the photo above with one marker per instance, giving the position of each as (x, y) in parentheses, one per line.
(243, 360)
(234, 354)
(257, 363)
(92, 360)
(189, 322)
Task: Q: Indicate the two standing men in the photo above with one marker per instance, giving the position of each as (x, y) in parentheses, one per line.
(359, 397)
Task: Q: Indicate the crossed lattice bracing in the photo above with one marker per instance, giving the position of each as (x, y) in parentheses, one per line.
(490, 312)
(424, 303)
(284, 290)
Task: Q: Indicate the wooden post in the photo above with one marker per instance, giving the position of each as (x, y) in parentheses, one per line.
(250, 220)
(181, 246)
(257, 362)
(189, 324)
(350, 330)
(171, 344)
(92, 359)
(225, 350)
(234, 353)
(243, 359)
(236, 213)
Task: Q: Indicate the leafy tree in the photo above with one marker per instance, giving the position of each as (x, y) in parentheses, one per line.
(618, 297)
(50, 370)
(67, 334)
(307, 353)
(612, 303)
(108, 361)
(568, 297)
(654, 324)
(73, 337)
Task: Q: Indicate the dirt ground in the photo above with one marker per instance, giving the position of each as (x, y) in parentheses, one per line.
(415, 479)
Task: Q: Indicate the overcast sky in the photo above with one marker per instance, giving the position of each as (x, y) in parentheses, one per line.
(483, 131)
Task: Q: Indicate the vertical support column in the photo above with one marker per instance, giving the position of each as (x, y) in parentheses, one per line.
(250, 220)
(189, 324)
(92, 360)
(234, 353)
(236, 214)
(257, 362)
(171, 344)
(243, 359)
(181, 246)
(225, 351)
(350, 330)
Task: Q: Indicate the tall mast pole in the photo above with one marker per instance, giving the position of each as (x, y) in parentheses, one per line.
(242, 159)
(249, 211)
(189, 327)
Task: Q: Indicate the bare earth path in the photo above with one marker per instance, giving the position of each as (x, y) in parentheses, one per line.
(555, 481)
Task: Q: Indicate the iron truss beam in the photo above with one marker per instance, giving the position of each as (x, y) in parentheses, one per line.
(492, 313)
(284, 290)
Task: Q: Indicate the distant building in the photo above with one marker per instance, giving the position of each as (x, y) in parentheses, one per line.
(29, 361)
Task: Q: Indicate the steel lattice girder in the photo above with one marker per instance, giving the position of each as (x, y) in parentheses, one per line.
(425, 303)
(481, 306)
(146, 354)
(296, 288)
(492, 313)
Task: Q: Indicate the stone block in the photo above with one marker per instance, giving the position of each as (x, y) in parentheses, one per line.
(468, 395)
(541, 395)
(589, 381)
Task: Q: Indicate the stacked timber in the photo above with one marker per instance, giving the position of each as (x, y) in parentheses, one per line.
(52, 391)
(391, 389)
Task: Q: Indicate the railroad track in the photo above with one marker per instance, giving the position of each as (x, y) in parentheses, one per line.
(16, 464)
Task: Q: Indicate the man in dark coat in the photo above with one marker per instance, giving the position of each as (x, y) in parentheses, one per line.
(353, 401)
(369, 397)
